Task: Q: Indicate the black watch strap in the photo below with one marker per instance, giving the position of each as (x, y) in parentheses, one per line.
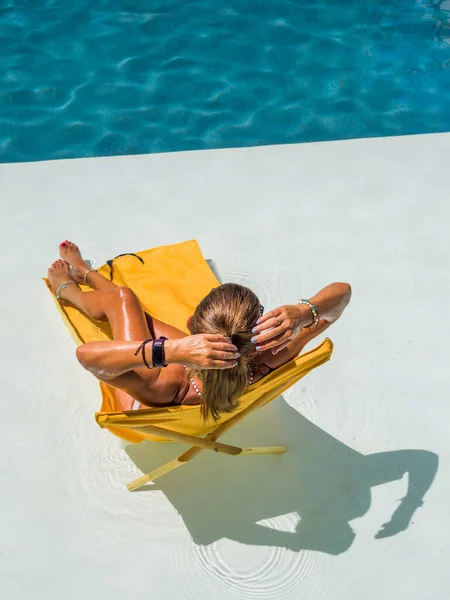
(158, 356)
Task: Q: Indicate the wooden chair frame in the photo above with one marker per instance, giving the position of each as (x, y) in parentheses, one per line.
(209, 442)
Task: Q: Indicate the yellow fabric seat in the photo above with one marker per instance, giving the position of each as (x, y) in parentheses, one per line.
(170, 281)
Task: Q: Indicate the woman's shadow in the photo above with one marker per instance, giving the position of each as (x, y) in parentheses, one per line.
(324, 481)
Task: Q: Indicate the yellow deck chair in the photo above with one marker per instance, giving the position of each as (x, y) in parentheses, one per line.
(170, 281)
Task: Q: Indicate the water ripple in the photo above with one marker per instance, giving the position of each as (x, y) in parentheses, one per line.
(265, 572)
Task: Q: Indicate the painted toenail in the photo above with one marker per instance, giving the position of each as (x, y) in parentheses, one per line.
(63, 244)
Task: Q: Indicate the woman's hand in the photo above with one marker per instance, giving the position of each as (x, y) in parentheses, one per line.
(280, 326)
(202, 351)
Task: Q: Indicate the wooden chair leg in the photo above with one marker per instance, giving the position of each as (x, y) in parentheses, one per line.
(162, 470)
(262, 450)
(173, 464)
(174, 436)
(200, 444)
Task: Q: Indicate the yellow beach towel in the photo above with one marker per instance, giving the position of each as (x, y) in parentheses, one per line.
(170, 281)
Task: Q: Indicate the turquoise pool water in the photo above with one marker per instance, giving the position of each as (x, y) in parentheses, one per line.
(84, 79)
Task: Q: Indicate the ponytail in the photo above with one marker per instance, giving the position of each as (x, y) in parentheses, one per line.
(231, 310)
(222, 389)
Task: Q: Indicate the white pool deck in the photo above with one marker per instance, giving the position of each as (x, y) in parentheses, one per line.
(285, 220)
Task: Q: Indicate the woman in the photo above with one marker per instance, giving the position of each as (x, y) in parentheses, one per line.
(231, 344)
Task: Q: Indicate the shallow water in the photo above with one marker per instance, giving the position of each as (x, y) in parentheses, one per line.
(85, 79)
(367, 433)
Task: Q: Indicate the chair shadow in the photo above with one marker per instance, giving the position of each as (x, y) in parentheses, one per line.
(324, 481)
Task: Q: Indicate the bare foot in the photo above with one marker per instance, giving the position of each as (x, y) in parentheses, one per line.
(58, 274)
(70, 252)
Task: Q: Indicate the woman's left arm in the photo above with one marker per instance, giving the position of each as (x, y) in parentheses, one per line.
(289, 325)
(112, 358)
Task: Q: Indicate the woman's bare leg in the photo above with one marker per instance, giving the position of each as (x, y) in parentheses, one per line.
(118, 305)
(122, 309)
(71, 254)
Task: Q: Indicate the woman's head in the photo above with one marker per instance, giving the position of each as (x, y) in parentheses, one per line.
(231, 310)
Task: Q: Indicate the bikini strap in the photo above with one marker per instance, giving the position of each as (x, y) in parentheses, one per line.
(111, 260)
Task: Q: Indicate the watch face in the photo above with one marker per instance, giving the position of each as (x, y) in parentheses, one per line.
(158, 352)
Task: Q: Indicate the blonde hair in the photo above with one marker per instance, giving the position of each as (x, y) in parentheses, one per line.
(231, 310)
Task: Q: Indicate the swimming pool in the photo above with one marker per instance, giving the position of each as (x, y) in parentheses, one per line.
(131, 77)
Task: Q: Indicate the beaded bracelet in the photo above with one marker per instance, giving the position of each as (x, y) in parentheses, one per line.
(315, 312)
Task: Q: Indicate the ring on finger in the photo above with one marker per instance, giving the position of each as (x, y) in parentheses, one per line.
(278, 321)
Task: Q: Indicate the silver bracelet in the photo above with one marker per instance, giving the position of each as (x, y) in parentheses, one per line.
(315, 312)
(86, 274)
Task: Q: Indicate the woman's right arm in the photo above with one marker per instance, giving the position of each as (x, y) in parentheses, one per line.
(107, 360)
(280, 327)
